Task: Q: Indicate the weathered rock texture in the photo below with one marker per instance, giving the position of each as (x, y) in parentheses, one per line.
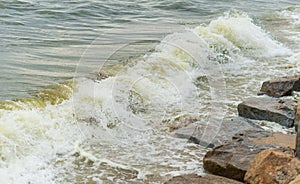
(225, 131)
(280, 139)
(281, 86)
(195, 179)
(273, 167)
(296, 180)
(281, 111)
(232, 159)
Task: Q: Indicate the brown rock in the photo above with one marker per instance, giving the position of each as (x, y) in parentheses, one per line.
(281, 111)
(195, 179)
(284, 140)
(281, 86)
(296, 180)
(273, 167)
(232, 159)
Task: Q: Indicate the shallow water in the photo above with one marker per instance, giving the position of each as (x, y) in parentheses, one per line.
(158, 62)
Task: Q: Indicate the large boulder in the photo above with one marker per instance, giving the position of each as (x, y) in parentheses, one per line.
(233, 158)
(196, 132)
(281, 111)
(273, 167)
(281, 87)
(206, 179)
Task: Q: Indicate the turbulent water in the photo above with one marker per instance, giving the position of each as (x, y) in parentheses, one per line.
(90, 90)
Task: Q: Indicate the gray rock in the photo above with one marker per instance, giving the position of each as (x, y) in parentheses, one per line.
(281, 87)
(229, 127)
(232, 159)
(206, 179)
(281, 111)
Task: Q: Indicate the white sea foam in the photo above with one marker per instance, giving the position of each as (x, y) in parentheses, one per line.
(292, 14)
(236, 31)
(30, 139)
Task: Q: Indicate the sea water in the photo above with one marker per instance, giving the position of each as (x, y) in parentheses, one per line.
(90, 89)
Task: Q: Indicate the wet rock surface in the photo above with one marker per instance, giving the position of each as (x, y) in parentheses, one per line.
(253, 155)
(279, 87)
(273, 167)
(206, 179)
(180, 121)
(233, 158)
(281, 111)
(195, 132)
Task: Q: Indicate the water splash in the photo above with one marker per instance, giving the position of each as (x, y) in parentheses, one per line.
(111, 129)
(235, 31)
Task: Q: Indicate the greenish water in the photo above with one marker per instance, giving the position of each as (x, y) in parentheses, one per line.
(90, 89)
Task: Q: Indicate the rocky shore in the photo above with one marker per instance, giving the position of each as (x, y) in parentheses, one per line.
(244, 152)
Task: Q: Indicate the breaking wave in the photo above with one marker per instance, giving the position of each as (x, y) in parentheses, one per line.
(114, 128)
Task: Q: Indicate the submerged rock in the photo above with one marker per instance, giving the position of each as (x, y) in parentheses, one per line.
(179, 121)
(232, 159)
(206, 179)
(281, 87)
(229, 127)
(273, 167)
(103, 75)
(281, 111)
